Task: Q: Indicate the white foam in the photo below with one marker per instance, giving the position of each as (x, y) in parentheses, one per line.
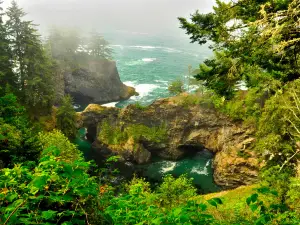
(111, 104)
(130, 83)
(162, 81)
(171, 50)
(165, 49)
(116, 46)
(201, 171)
(168, 167)
(148, 59)
(144, 89)
(144, 47)
(134, 63)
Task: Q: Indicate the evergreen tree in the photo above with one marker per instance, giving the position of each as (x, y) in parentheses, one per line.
(99, 47)
(66, 117)
(33, 67)
(257, 42)
(7, 76)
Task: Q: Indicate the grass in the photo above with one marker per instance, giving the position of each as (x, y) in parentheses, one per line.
(234, 203)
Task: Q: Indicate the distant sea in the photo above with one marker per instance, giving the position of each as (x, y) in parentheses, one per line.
(149, 63)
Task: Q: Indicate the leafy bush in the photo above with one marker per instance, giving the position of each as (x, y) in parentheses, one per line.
(173, 191)
(54, 192)
(140, 205)
(18, 141)
(66, 117)
(68, 151)
(176, 87)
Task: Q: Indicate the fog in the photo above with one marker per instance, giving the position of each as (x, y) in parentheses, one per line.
(140, 16)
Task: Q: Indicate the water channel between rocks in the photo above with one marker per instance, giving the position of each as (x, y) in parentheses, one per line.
(197, 166)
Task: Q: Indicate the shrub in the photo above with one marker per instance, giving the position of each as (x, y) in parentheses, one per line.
(176, 87)
(68, 151)
(53, 192)
(173, 191)
(66, 117)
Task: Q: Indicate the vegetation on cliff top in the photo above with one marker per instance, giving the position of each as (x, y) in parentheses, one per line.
(111, 134)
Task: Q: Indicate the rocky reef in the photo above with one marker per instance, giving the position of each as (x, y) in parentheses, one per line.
(95, 82)
(172, 128)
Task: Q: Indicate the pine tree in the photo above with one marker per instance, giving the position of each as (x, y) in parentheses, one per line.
(7, 76)
(66, 117)
(99, 47)
(32, 65)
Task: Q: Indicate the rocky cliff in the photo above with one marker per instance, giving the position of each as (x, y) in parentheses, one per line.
(96, 82)
(173, 128)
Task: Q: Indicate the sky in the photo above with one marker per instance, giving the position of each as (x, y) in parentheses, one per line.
(140, 16)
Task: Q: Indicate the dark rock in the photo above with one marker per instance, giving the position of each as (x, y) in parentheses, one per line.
(98, 82)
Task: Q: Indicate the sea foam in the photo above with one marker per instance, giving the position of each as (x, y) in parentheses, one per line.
(201, 171)
(148, 59)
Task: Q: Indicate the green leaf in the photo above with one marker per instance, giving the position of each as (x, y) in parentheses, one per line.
(218, 201)
(248, 201)
(177, 212)
(49, 214)
(253, 207)
(39, 182)
(11, 197)
(254, 197)
(212, 202)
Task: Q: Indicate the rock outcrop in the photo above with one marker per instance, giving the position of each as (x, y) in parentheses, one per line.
(182, 128)
(97, 82)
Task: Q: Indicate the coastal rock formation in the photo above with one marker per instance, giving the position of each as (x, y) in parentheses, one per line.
(96, 82)
(172, 128)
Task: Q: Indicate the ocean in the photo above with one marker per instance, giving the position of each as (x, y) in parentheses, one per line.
(150, 63)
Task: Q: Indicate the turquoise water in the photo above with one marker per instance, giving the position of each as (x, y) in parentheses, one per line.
(149, 64)
(198, 167)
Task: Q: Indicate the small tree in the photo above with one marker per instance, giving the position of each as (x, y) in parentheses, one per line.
(176, 87)
(99, 47)
(66, 117)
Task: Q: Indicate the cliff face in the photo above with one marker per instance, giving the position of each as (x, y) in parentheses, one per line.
(186, 129)
(97, 82)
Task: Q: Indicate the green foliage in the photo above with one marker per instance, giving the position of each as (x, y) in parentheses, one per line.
(176, 87)
(54, 192)
(18, 142)
(117, 134)
(140, 205)
(279, 126)
(68, 151)
(250, 39)
(66, 117)
(174, 192)
(276, 213)
(138, 105)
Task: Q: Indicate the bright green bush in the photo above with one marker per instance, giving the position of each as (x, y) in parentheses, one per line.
(174, 191)
(68, 151)
(54, 192)
(141, 205)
